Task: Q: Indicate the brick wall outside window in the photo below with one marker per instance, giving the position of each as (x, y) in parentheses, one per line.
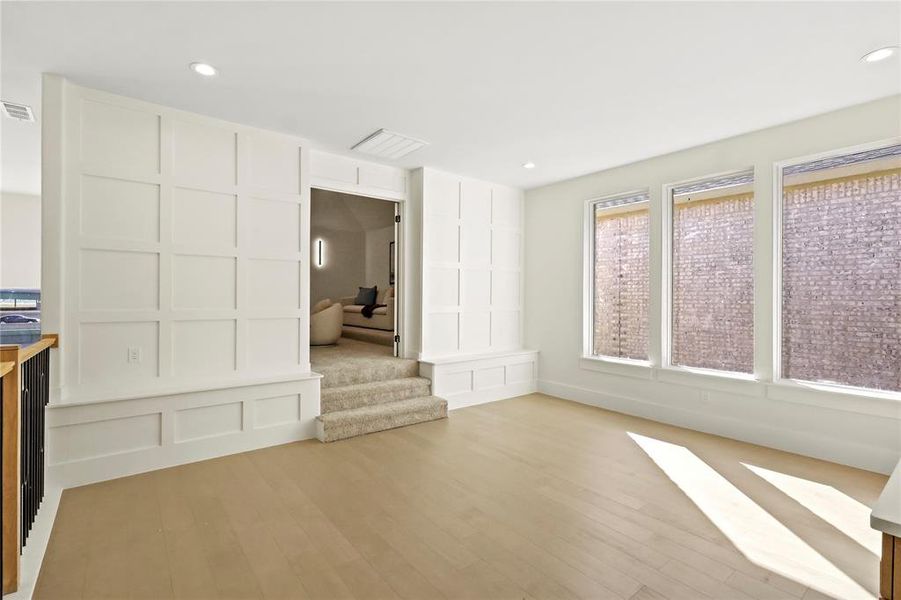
(841, 302)
(713, 284)
(621, 284)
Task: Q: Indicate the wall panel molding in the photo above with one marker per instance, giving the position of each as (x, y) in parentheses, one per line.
(99, 441)
(467, 381)
(170, 219)
(354, 176)
(471, 266)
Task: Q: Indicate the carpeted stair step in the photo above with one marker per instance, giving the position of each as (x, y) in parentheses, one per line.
(377, 392)
(379, 417)
(355, 371)
(373, 336)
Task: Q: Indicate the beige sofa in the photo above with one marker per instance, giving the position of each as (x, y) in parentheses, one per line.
(382, 317)
(325, 323)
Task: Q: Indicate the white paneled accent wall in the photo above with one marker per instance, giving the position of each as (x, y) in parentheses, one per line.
(354, 176)
(176, 250)
(471, 266)
(185, 246)
(472, 248)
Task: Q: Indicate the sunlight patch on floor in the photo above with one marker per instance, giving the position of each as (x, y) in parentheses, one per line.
(841, 511)
(755, 533)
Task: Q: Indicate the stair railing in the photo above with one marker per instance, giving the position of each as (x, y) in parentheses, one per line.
(24, 394)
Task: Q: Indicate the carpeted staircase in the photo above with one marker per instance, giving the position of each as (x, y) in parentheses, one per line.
(361, 393)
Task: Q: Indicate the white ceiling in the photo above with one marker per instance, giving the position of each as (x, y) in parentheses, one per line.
(344, 212)
(573, 87)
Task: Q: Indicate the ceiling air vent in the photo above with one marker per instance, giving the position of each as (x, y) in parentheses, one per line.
(387, 144)
(19, 112)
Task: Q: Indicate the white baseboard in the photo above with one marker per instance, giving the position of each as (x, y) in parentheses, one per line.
(467, 381)
(95, 442)
(36, 545)
(772, 435)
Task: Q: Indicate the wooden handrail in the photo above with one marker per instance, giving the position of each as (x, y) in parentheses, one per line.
(12, 358)
(19, 353)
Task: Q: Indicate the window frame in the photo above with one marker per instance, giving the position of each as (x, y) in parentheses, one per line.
(588, 249)
(666, 292)
(803, 385)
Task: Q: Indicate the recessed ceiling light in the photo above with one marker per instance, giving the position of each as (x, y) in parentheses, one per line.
(528, 165)
(879, 54)
(204, 69)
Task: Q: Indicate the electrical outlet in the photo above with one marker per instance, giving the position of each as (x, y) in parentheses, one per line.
(134, 354)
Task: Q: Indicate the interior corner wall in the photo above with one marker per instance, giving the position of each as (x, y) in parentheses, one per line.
(176, 263)
(819, 424)
(20, 240)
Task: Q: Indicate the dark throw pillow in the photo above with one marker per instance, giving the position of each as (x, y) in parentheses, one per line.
(366, 296)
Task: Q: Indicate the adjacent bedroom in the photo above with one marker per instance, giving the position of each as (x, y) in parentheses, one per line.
(352, 276)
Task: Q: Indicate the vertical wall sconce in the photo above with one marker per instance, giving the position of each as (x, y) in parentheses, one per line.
(320, 253)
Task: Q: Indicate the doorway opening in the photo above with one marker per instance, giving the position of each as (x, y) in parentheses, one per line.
(356, 280)
(354, 275)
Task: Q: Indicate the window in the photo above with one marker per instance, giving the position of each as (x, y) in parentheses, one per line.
(841, 270)
(619, 275)
(712, 294)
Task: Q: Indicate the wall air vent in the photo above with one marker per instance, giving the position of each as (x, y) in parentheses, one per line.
(19, 112)
(387, 144)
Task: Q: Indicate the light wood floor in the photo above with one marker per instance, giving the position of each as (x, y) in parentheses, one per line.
(533, 497)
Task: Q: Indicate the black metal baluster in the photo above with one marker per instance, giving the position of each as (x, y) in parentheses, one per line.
(35, 397)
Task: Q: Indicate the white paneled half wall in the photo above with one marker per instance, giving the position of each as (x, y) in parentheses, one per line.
(465, 381)
(98, 441)
(181, 301)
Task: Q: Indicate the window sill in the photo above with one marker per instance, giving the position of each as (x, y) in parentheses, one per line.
(624, 367)
(849, 399)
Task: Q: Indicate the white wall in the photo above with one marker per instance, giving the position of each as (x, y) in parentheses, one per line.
(355, 176)
(343, 268)
(863, 431)
(377, 241)
(20, 240)
(186, 239)
(176, 255)
(472, 266)
(472, 251)
(355, 232)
